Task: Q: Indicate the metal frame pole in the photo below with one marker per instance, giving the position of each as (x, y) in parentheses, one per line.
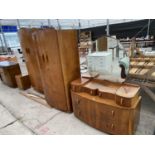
(108, 27)
(4, 39)
(148, 29)
(2, 46)
(1, 41)
(18, 24)
(49, 22)
(59, 27)
(79, 28)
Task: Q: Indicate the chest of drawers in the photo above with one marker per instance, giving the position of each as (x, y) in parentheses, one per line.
(104, 113)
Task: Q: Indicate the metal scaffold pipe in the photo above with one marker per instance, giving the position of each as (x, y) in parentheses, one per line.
(4, 39)
(18, 24)
(108, 27)
(59, 27)
(148, 29)
(49, 22)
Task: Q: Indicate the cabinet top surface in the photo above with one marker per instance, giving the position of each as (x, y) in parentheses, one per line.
(124, 90)
(100, 54)
(4, 64)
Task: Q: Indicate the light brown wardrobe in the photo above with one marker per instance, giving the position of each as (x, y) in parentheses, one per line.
(59, 64)
(30, 52)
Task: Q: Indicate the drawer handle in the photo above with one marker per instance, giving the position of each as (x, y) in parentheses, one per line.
(112, 126)
(91, 92)
(113, 112)
(121, 101)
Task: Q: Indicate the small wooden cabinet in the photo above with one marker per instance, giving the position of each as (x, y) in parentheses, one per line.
(103, 112)
(8, 71)
(23, 82)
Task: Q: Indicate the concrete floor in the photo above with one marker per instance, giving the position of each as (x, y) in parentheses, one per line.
(20, 115)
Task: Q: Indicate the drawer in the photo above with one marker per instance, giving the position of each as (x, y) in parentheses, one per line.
(90, 91)
(84, 110)
(104, 117)
(113, 127)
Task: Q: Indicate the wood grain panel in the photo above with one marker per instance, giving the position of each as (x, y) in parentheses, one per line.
(31, 56)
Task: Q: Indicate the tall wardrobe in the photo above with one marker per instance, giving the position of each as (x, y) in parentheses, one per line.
(59, 64)
(30, 52)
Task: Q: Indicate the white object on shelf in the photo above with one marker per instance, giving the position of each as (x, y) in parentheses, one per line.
(100, 62)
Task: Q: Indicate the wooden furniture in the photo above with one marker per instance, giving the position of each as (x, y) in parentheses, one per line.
(102, 44)
(110, 107)
(30, 52)
(59, 63)
(142, 68)
(23, 82)
(8, 71)
(8, 58)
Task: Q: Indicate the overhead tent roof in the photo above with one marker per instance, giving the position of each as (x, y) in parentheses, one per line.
(124, 30)
(64, 23)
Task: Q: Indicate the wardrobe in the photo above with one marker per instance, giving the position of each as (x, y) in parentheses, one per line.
(59, 65)
(30, 53)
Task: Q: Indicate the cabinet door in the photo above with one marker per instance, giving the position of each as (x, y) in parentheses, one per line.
(111, 119)
(84, 109)
(69, 58)
(31, 58)
(101, 116)
(51, 69)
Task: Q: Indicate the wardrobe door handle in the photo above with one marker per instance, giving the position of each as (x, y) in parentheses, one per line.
(46, 58)
(43, 58)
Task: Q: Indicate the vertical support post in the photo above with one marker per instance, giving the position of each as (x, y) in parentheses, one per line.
(4, 39)
(18, 28)
(108, 27)
(148, 29)
(59, 27)
(79, 29)
(2, 46)
(18, 24)
(1, 42)
(88, 23)
(49, 22)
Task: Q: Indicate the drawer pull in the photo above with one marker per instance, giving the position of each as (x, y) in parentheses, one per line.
(121, 101)
(91, 92)
(112, 126)
(113, 112)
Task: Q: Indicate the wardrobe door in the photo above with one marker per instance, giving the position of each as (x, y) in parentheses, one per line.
(30, 54)
(51, 69)
(69, 59)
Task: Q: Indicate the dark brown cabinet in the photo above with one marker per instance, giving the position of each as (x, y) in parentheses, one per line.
(23, 82)
(8, 71)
